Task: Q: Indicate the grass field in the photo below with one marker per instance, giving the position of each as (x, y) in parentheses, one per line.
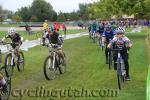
(86, 69)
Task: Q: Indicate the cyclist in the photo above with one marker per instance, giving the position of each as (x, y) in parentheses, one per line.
(54, 39)
(122, 42)
(45, 29)
(106, 37)
(94, 29)
(16, 40)
(28, 29)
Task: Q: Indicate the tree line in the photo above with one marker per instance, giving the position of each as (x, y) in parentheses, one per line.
(40, 10)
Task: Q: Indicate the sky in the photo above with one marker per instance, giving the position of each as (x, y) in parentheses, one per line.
(58, 5)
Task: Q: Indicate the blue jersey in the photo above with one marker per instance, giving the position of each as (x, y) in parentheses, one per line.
(108, 35)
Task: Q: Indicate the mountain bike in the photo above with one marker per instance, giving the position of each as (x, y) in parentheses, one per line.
(54, 62)
(100, 43)
(109, 58)
(5, 89)
(120, 72)
(13, 59)
(94, 36)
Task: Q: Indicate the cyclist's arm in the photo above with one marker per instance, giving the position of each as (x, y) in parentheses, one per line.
(112, 42)
(128, 42)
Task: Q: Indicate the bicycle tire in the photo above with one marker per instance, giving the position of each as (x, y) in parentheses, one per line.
(119, 76)
(46, 74)
(110, 60)
(63, 64)
(8, 68)
(20, 61)
(5, 94)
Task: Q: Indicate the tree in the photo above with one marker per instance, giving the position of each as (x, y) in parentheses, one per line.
(61, 17)
(42, 10)
(16, 18)
(83, 11)
(25, 13)
(54, 16)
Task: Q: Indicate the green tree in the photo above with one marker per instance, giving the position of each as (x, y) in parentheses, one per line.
(16, 18)
(61, 17)
(25, 13)
(83, 11)
(42, 10)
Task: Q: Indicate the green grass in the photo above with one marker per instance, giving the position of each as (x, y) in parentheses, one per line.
(86, 69)
(37, 34)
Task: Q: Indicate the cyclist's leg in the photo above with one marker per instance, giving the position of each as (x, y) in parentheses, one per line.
(61, 53)
(115, 60)
(125, 57)
(16, 47)
(106, 54)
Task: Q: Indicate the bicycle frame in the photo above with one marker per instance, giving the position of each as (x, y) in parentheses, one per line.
(53, 52)
(120, 70)
(12, 52)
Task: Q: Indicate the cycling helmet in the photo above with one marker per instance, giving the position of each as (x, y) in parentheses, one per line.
(11, 31)
(120, 30)
(108, 28)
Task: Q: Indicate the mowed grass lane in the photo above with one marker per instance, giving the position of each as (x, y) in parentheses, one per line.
(86, 69)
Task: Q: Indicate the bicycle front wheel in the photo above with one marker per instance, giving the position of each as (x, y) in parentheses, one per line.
(20, 62)
(119, 76)
(5, 93)
(49, 71)
(9, 65)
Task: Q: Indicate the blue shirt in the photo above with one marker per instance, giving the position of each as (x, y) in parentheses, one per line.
(109, 35)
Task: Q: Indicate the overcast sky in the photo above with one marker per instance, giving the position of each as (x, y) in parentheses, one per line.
(58, 5)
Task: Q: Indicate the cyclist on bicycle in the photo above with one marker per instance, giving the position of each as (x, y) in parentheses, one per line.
(106, 38)
(45, 29)
(120, 41)
(54, 39)
(15, 38)
(94, 29)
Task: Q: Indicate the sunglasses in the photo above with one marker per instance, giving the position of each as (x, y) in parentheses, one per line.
(119, 33)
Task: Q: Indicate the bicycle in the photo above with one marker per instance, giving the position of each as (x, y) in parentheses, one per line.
(121, 73)
(11, 59)
(53, 63)
(100, 43)
(94, 36)
(109, 58)
(5, 91)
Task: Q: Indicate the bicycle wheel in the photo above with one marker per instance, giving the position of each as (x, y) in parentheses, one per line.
(49, 71)
(110, 59)
(20, 62)
(5, 94)
(119, 76)
(63, 64)
(9, 65)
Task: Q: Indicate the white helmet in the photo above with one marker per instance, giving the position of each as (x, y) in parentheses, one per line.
(120, 30)
(11, 31)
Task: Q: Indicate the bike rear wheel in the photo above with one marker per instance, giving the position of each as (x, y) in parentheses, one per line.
(63, 64)
(20, 62)
(9, 65)
(49, 71)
